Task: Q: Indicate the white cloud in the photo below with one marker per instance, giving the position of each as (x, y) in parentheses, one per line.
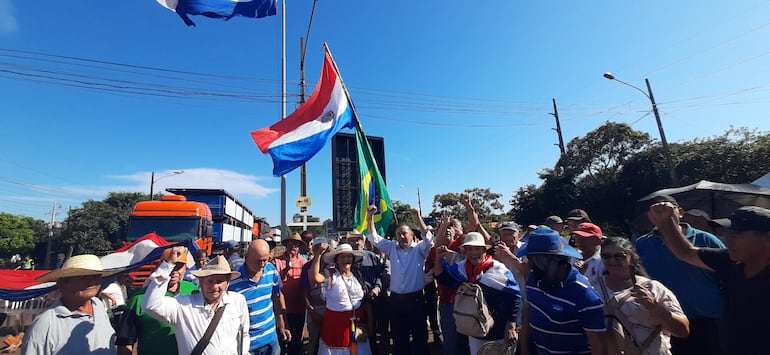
(8, 23)
(238, 184)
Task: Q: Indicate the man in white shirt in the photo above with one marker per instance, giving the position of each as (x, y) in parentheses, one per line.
(192, 314)
(407, 302)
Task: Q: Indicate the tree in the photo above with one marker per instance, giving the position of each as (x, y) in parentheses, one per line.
(100, 226)
(19, 234)
(599, 156)
(486, 203)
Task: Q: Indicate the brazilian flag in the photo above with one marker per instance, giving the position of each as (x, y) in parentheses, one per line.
(372, 190)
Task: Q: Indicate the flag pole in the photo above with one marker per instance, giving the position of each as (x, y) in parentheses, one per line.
(283, 111)
(344, 88)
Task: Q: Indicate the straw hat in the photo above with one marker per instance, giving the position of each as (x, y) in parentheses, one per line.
(293, 238)
(343, 249)
(79, 265)
(218, 266)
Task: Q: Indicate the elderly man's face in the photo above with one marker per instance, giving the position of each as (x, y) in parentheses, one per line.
(213, 287)
(404, 236)
(509, 237)
(80, 288)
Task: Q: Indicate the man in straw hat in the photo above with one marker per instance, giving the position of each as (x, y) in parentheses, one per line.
(78, 322)
(192, 315)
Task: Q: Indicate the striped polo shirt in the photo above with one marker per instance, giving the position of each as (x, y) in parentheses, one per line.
(559, 317)
(260, 303)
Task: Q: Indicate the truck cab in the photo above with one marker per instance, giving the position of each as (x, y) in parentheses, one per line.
(174, 219)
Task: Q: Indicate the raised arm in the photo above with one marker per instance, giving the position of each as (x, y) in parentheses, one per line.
(418, 215)
(155, 301)
(440, 238)
(664, 216)
(470, 212)
(315, 269)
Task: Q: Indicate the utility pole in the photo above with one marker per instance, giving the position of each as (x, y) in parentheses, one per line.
(50, 236)
(555, 115)
(303, 169)
(663, 141)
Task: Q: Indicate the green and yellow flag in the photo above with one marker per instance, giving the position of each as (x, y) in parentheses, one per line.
(372, 190)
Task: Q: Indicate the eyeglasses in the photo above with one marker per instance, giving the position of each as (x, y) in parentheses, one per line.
(616, 256)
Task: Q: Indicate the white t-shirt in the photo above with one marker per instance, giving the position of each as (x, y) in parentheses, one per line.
(116, 292)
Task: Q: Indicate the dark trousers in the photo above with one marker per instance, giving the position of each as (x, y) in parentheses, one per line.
(703, 340)
(408, 319)
(382, 323)
(431, 306)
(296, 325)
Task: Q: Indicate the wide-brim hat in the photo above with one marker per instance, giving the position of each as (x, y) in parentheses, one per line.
(218, 266)
(79, 265)
(293, 238)
(343, 249)
(546, 241)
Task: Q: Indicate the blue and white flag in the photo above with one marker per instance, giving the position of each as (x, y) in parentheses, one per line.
(225, 9)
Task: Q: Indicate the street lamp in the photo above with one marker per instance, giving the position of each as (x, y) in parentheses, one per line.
(419, 203)
(663, 141)
(153, 180)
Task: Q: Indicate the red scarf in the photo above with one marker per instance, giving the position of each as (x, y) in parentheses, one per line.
(472, 271)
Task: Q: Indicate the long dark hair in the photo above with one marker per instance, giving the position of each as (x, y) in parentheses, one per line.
(628, 248)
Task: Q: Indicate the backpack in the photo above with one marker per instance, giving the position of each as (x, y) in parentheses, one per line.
(472, 316)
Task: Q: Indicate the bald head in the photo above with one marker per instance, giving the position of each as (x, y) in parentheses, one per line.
(257, 256)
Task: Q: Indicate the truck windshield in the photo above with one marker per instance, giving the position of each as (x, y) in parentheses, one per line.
(172, 229)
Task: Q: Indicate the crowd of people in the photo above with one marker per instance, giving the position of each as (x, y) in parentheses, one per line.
(561, 287)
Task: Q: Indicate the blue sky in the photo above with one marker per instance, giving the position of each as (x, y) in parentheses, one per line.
(461, 94)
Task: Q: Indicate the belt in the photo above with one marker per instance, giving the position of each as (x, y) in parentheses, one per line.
(406, 295)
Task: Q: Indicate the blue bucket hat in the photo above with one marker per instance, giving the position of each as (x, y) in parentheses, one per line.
(546, 241)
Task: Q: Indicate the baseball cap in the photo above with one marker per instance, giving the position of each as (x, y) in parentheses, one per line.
(588, 229)
(553, 220)
(748, 218)
(510, 226)
(578, 215)
(663, 198)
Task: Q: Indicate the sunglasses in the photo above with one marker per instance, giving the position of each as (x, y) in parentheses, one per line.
(616, 256)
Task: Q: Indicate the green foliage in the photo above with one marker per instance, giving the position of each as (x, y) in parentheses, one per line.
(405, 214)
(606, 171)
(19, 234)
(486, 203)
(99, 227)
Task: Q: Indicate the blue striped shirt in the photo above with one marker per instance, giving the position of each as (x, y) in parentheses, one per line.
(559, 317)
(260, 303)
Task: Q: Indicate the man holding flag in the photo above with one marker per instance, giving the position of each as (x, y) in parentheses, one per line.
(407, 262)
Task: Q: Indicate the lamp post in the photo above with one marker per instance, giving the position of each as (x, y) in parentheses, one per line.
(663, 141)
(419, 202)
(153, 180)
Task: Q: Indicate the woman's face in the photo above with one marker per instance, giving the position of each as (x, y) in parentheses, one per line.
(344, 261)
(616, 261)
